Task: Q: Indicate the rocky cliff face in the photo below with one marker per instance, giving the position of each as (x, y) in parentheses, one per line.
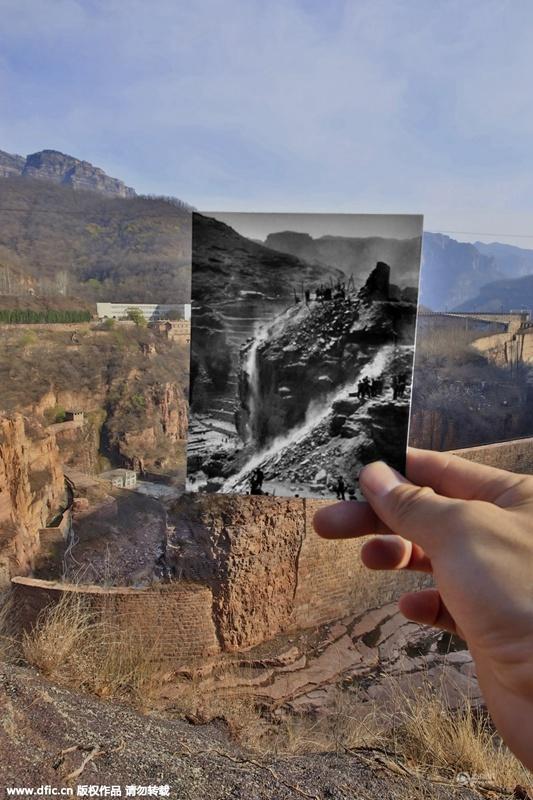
(131, 384)
(54, 166)
(32, 491)
(246, 549)
(155, 441)
(139, 427)
(452, 272)
(310, 353)
(10, 165)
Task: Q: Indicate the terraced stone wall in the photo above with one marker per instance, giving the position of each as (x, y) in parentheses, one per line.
(178, 613)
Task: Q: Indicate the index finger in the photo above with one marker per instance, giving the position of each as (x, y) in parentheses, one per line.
(348, 519)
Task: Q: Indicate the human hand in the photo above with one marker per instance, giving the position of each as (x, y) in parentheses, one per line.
(471, 526)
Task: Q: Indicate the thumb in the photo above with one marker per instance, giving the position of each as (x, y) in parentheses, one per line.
(415, 512)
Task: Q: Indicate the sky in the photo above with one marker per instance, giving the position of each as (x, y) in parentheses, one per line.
(259, 225)
(377, 106)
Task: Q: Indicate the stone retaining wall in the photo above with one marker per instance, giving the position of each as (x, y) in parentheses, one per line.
(515, 455)
(178, 613)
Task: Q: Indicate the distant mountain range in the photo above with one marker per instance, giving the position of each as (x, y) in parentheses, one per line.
(476, 277)
(511, 294)
(103, 244)
(106, 255)
(54, 166)
(355, 256)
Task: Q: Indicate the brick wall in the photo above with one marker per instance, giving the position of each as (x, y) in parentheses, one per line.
(332, 581)
(516, 455)
(180, 613)
(266, 572)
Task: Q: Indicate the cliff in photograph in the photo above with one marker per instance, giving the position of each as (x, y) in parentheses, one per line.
(355, 256)
(296, 365)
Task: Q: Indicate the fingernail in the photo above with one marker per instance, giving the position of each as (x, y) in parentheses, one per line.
(379, 479)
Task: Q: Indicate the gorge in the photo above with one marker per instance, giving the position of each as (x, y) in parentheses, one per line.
(280, 347)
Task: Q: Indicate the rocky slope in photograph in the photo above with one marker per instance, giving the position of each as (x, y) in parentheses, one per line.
(238, 285)
(299, 415)
(310, 352)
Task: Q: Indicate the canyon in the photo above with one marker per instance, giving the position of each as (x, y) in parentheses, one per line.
(295, 411)
(244, 599)
(129, 388)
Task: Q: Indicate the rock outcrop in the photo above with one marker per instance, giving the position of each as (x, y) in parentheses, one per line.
(246, 549)
(54, 166)
(32, 491)
(152, 438)
(10, 165)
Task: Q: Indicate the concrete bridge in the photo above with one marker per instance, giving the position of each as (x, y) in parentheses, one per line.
(484, 321)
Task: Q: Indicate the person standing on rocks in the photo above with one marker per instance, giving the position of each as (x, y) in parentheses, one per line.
(256, 481)
(340, 488)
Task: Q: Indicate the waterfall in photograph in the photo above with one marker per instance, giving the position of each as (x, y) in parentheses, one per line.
(316, 414)
(302, 350)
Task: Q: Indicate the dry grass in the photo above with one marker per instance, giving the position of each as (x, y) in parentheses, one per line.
(432, 736)
(8, 638)
(348, 724)
(59, 635)
(101, 653)
(421, 728)
(446, 343)
(123, 660)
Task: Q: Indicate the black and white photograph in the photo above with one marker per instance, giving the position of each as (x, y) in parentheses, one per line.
(302, 346)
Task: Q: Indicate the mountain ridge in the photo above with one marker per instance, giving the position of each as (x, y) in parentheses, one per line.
(355, 256)
(64, 169)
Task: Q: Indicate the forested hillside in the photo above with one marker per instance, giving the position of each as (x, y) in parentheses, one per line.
(58, 241)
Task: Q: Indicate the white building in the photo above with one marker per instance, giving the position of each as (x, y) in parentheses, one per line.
(121, 478)
(150, 311)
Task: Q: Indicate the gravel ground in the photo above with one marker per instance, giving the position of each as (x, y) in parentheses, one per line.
(40, 721)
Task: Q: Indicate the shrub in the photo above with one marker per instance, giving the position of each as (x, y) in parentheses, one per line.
(59, 635)
(431, 734)
(136, 316)
(28, 338)
(55, 414)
